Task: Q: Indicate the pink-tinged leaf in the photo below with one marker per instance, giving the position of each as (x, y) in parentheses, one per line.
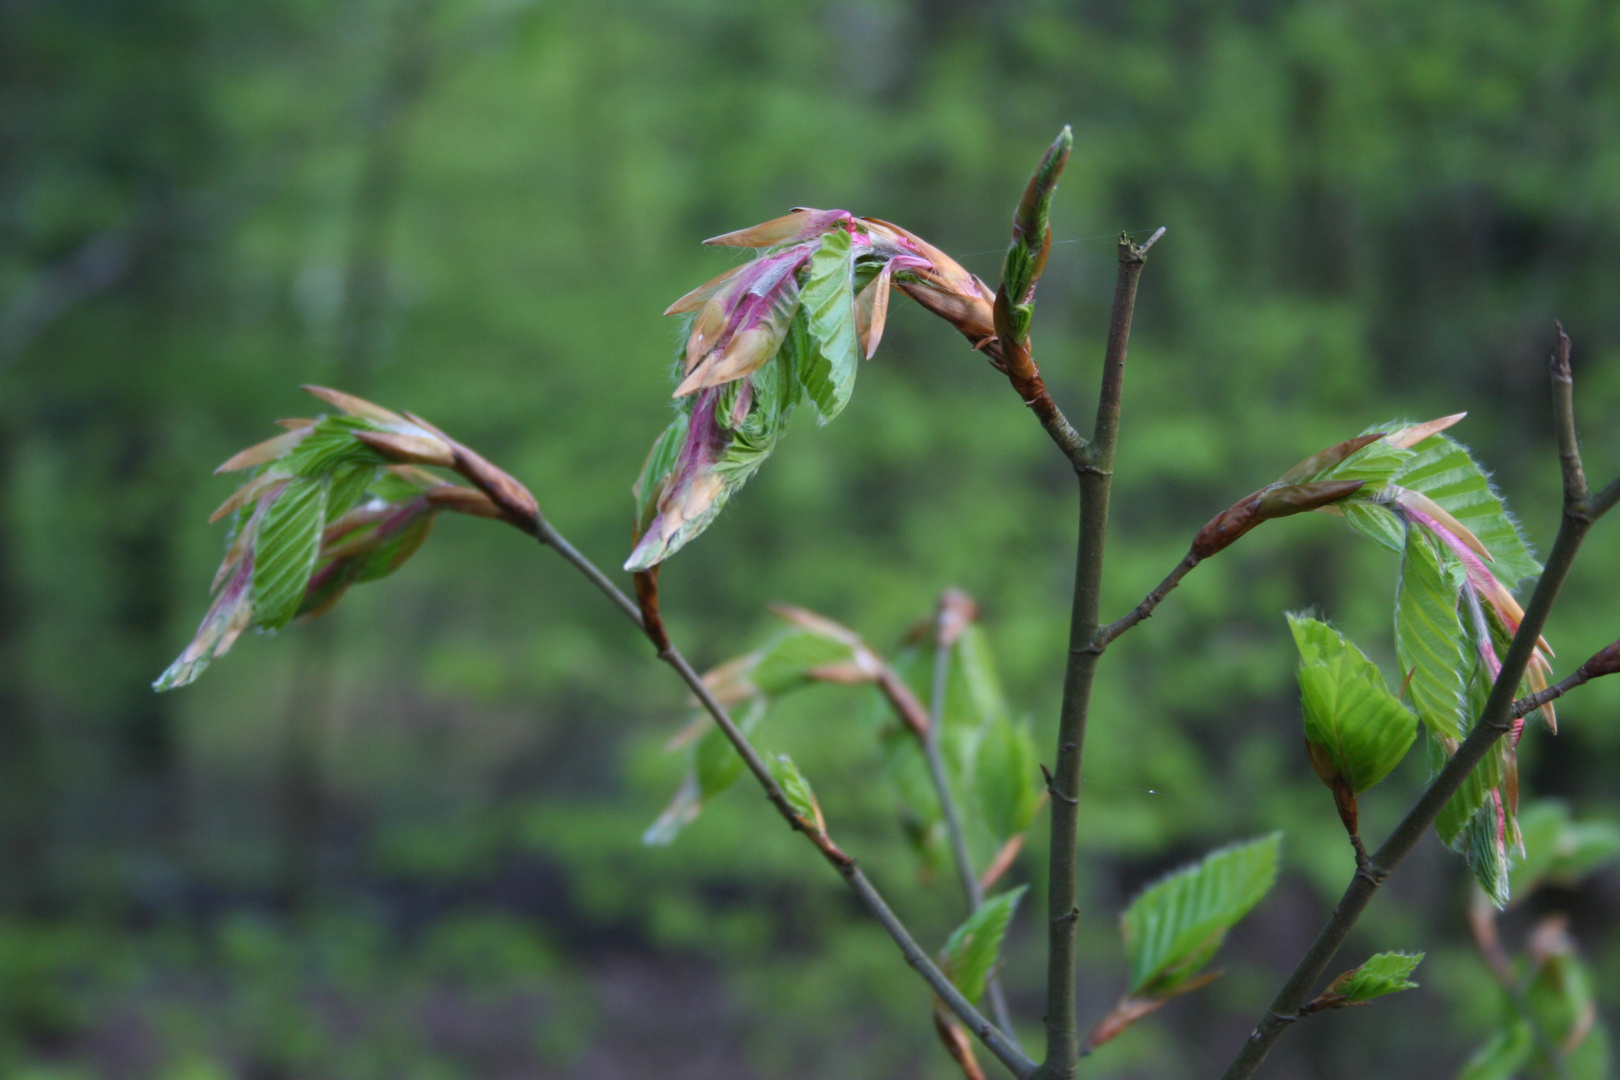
(230, 614)
(242, 542)
(1536, 675)
(951, 273)
(802, 223)
(872, 311)
(1421, 503)
(692, 495)
(744, 354)
(1408, 437)
(265, 452)
(701, 295)
(355, 406)
(707, 329)
(759, 317)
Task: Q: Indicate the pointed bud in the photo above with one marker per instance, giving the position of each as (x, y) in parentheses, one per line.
(409, 449)
(1323, 460)
(355, 406)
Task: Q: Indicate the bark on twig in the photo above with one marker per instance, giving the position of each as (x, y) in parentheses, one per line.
(1095, 470)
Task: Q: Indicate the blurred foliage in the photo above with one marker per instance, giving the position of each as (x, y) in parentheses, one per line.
(407, 843)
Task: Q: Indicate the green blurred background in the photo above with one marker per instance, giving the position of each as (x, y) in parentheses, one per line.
(404, 842)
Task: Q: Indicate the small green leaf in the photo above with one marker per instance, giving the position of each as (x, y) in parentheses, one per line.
(1376, 522)
(1007, 776)
(1385, 973)
(797, 790)
(1349, 714)
(1174, 927)
(285, 549)
(1504, 1056)
(1429, 638)
(715, 761)
(827, 310)
(971, 950)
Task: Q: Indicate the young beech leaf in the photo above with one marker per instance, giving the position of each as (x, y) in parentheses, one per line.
(1007, 776)
(1504, 1056)
(285, 550)
(1442, 469)
(797, 790)
(1350, 716)
(1385, 973)
(827, 309)
(1485, 846)
(970, 952)
(1429, 638)
(1174, 927)
(715, 767)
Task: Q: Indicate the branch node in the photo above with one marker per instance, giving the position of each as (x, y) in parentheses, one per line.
(1051, 788)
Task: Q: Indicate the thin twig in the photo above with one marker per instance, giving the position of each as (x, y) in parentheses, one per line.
(942, 782)
(972, 890)
(994, 1039)
(1495, 721)
(1095, 472)
(1149, 602)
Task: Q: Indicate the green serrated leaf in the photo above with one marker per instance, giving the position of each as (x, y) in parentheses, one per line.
(797, 790)
(1502, 1058)
(827, 309)
(1486, 852)
(1442, 469)
(970, 952)
(1374, 522)
(1429, 638)
(1174, 927)
(715, 762)
(332, 444)
(349, 486)
(284, 551)
(1349, 713)
(1006, 775)
(660, 461)
(1385, 973)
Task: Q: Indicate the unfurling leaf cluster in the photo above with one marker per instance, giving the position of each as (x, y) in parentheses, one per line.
(792, 323)
(1385, 973)
(332, 502)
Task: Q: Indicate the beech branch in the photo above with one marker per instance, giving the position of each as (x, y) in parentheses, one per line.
(1579, 513)
(519, 508)
(1094, 466)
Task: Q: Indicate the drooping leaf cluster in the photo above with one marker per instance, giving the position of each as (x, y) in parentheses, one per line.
(323, 510)
(1420, 494)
